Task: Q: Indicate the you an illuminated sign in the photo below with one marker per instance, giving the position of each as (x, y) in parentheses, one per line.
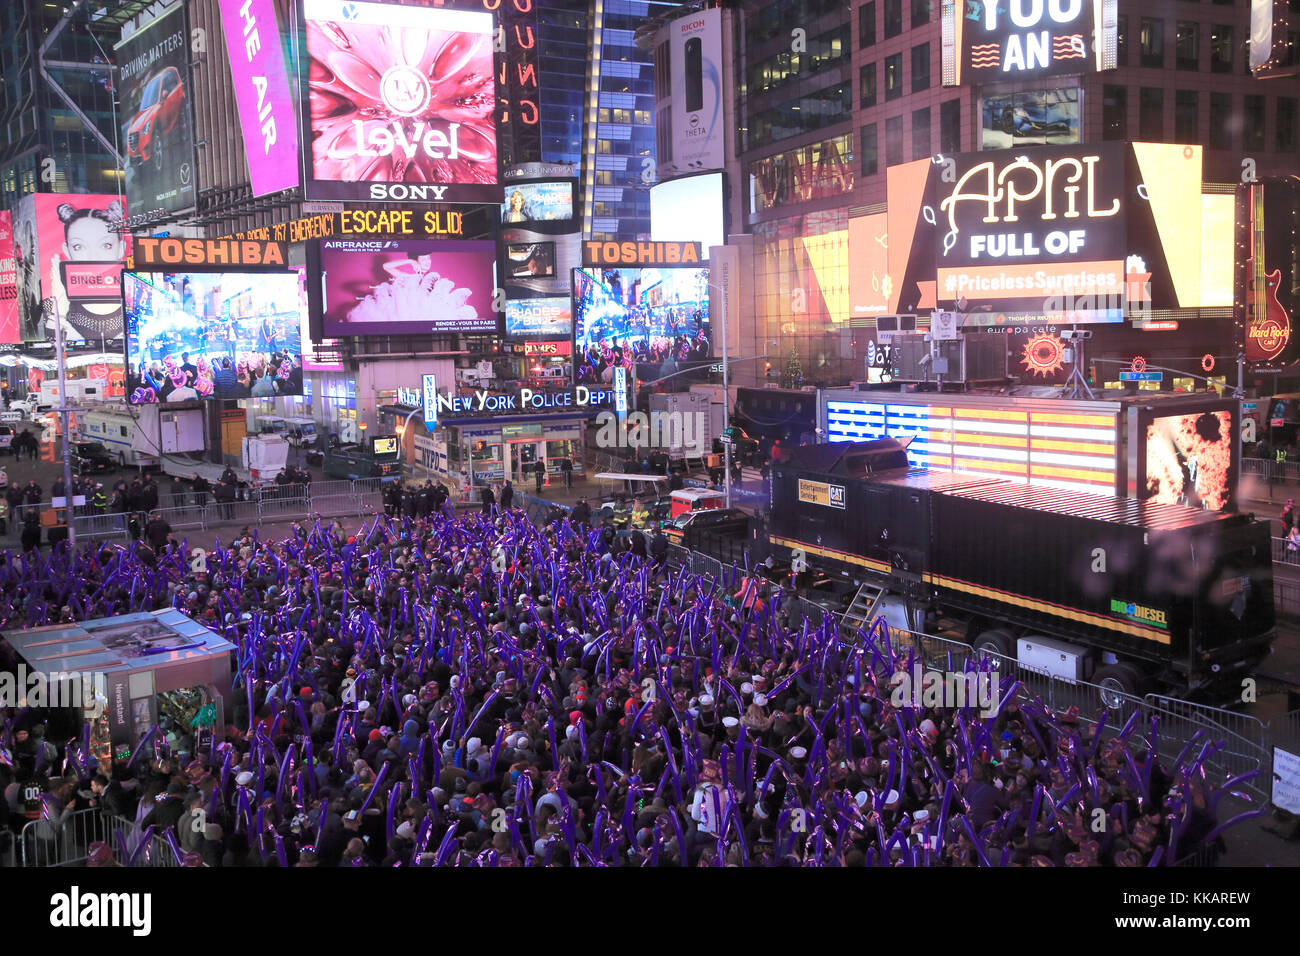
(989, 40)
(379, 222)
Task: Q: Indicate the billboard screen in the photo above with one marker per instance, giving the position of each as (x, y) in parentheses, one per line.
(689, 209)
(538, 262)
(985, 41)
(1189, 460)
(261, 82)
(538, 202)
(211, 335)
(9, 332)
(400, 103)
(1036, 228)
(627, 316)
(156, 95)
(530, 260)
(869, 282)
(548, 318)
(693, 133)
(407, 286)
(51, 230)
(1031, 118)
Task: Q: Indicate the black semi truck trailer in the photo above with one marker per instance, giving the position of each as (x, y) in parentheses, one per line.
(1127, 594)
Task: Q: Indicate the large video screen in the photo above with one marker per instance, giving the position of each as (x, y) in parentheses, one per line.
(1189, 460)
(626, 316)
(538, 202)
(407, 286)
(401, 103)
(224, 335)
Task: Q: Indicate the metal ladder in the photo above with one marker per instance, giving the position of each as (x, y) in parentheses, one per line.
(861, 610)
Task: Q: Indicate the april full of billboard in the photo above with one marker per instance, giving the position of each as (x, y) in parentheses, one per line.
(230, 335)
(261, 83)
(156, 107)
(51, 232)
(407, 286)
(984, 41)
(398, 103)
(1031, 225)
(693, 45)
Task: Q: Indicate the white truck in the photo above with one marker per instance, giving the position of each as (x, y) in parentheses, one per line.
(264, 456)
(143, 434)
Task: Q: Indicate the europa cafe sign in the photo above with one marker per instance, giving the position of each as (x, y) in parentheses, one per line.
(1037, 223)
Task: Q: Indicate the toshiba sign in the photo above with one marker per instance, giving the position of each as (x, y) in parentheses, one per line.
(152, 254)
(596, 253)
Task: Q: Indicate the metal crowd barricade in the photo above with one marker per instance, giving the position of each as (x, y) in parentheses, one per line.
(1286, 596)
(1244, 738)
(42, 844)
(101, 526)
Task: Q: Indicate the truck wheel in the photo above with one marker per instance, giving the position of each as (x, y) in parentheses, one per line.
(1118, 683)
(996, 642)
(121, 459)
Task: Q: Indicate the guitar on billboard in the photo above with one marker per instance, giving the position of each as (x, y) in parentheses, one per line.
(1268, 327)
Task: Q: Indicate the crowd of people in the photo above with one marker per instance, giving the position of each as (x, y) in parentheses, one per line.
(482, 690)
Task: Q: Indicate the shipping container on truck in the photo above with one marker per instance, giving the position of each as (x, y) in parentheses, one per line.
(1127, 594)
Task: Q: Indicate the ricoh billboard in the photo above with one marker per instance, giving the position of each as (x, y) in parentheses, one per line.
(398, 103)
(692, 47)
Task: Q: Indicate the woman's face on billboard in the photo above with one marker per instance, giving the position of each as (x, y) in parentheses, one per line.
(90, 239)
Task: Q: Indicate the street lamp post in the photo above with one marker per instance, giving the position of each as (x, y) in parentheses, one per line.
(63, 427)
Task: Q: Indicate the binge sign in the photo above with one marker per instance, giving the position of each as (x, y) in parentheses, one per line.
(1036, 223)
(1007, 39)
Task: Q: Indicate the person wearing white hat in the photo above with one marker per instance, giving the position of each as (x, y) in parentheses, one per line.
(757, 719)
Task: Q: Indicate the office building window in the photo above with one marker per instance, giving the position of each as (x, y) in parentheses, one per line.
(893, 18)
(920, 68)
(1252, 133)
(1151, 114)
(1152, 41)
(893, 77)
(950, 126)
(1186, 116)
(1220, 48)
(1220, 118)
(1285, 132)
(867, 25)
(920, 13)
(1187, 46)
(867, 85)
(921, 133)
(870, 150)
(894, 141)
(1114, 112)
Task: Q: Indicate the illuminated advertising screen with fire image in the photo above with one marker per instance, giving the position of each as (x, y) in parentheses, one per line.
(1189, 460)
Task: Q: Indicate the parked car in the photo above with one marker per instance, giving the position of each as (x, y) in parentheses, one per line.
(90, 457)
(6, 437)
(162, 105)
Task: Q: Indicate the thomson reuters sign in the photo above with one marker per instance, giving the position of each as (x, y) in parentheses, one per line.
(595, 253)
(151, 254)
